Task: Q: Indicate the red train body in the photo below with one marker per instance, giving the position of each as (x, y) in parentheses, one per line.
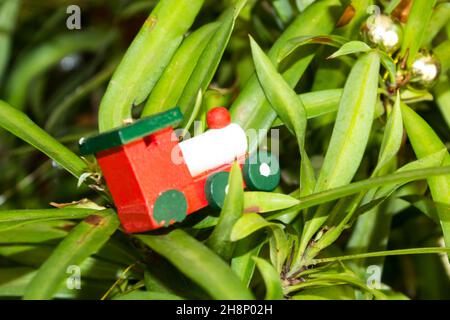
(149, 188)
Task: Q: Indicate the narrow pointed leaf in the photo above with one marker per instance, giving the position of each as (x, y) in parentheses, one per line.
(209, 60)
(349, 48)
(84, 240)
(350, 135)
(197, 262)
(219, 240)
(175, 77)
(274, 290)
(255, 201)
(392, 138)
(425, 142)
(251, 109)
(414, 31)
(24, 128)
(146, 58)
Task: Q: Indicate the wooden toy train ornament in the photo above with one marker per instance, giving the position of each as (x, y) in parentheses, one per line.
(155, 180)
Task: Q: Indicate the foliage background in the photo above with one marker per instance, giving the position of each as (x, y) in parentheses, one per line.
(58, 78)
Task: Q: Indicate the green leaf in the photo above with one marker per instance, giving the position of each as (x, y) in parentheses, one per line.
(426, 142)
(219, 240)
(431, 161)
(442, 94)
(317, 103)
(414, 31)
(350, 135)
(209, 60)
(146, 295)
(60, 110)
(250, 109)
(84, 240)
(14, 281)
(283, 9)
(303, 4)
(427, 206)
(146, 58)
(242, 263)
(8, 15)
(196, 261)
(439, 19)
(321, 102)
(390, 66)
(411, 95)
(39, 231)
(349, 48)
(280, 246)
(47, 55)
(175, 77)
(261, 202)
(353, 123)
(10, 219)
(287, 105)
(391, 6)
(278, 92)
(392, 137)
(442, 52)
(356, 187)
(294, 44)
(21, 126)
(250, 223)
(274, 289)
(382, 254)
(194, 114)
(335, 292)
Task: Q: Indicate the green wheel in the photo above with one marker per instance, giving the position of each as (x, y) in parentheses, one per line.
(171, 205)
(262, 171)
(216, 189)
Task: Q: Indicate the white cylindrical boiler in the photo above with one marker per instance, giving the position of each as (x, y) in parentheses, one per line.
(214, 148)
